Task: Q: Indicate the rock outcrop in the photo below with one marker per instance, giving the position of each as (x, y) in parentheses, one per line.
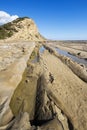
(21, 122)
(48, 95)
(78, 69)
(10, 77)
(67, 91)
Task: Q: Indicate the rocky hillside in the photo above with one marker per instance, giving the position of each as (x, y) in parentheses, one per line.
(20, 29)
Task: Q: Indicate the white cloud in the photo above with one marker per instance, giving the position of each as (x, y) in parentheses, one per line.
(5, 17)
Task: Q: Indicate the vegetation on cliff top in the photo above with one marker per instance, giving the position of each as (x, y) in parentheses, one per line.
(7, 30)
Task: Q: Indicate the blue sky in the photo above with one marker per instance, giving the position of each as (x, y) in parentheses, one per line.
(56, 19)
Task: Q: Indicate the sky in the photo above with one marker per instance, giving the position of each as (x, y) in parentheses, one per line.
(55, 19)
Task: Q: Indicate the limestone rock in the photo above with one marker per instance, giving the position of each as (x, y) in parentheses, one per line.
(44, 107)
(52, 125)
(68, 92)
(10, 77)
(21, 122)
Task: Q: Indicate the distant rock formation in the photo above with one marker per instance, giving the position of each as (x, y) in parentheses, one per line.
(20, 29)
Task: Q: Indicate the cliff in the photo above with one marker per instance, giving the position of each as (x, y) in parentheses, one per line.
(23, 29)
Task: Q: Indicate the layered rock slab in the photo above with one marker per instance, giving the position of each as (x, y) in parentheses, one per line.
(9, 80)
(67, 91)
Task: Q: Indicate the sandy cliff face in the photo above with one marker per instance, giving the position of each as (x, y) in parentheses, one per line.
(21, 29)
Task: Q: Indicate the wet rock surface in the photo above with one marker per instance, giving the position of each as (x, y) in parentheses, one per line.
(66, 91)
(79, 69)
(49, 96)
